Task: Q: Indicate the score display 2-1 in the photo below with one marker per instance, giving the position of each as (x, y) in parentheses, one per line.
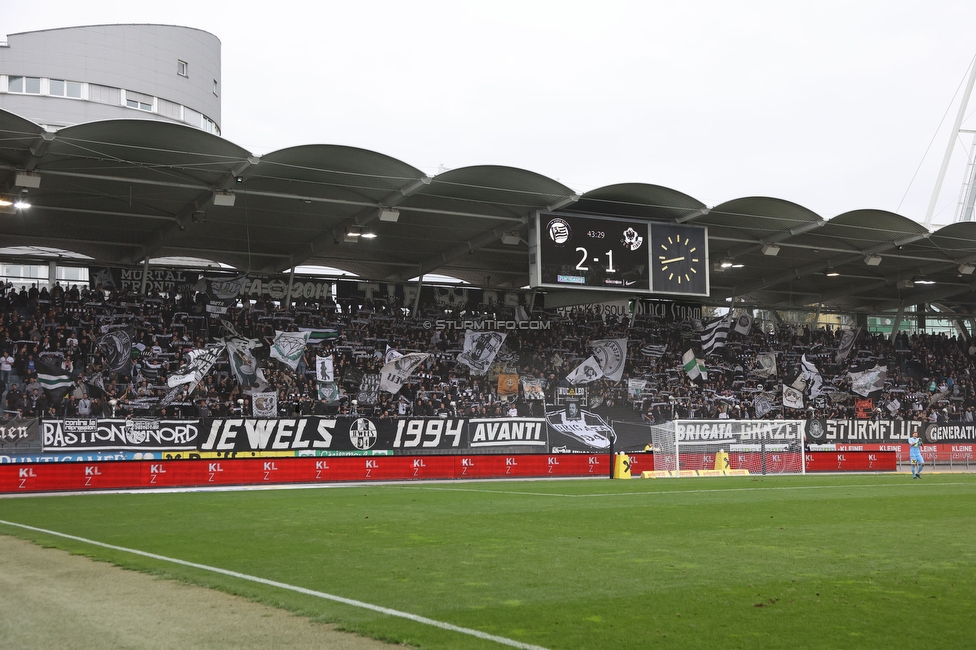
(575, 251)
(591, 252)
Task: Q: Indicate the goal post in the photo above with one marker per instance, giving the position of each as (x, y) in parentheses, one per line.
(688, 447)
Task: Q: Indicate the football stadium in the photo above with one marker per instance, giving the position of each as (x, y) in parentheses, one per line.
(318, 398)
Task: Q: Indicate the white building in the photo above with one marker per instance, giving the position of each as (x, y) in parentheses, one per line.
(62, 77)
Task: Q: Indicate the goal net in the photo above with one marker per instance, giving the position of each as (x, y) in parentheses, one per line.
(700, 447)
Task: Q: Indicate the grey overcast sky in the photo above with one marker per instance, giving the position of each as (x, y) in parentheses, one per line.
(829, 104)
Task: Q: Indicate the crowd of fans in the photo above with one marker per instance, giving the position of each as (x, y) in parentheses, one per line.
(929, 377)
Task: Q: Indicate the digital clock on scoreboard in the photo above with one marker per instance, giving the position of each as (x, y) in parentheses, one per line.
(572, 251)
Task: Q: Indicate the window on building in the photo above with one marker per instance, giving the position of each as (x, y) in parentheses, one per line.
(209, 125)
(192, 117)
(169, 109)
(30, 85)
(104, 94)
(181, 68)
(61, 88)
(215, 89)
(138, 101)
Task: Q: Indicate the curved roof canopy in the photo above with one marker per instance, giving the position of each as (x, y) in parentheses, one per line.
(122, 191)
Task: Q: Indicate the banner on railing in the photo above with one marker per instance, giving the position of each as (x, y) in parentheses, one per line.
(19, 435)
(401, 435)
(832, 431)
(132, 433)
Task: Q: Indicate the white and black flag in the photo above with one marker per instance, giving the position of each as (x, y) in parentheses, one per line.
(56, 381)
(480, 349)
(792, 397)
(222, 292)
(395, 373)
(812, 377)
(116, 347)
(585, 372)
(324, 371)
(847, 339)
(714, 333)
(868, 379)
(288, 347)
(199, 363)
(654, 351)
(611, 355)
(743, 324)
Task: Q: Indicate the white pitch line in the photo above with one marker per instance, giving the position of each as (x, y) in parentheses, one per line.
(676, 492)
(281, 585)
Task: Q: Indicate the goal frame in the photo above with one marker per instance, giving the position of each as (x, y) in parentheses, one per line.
(762, 437)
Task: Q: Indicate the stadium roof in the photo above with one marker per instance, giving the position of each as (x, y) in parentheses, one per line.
(124, 190)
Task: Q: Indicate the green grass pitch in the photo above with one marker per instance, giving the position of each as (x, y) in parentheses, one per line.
(858, 561)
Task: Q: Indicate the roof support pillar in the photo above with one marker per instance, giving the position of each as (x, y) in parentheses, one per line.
(291, 283)
(416, 300)
(145, 276)
(897, 322)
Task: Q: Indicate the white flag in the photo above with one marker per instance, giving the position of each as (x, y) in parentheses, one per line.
(868, 380)
(714, 332)
(480, 349)
(792, 398)
(391, 354)
(766, 364)
(323, 369)
(693, 366)
(585, 372)
(847, 339)
(265, 405)
(199, 363)
(243, 364)
(743, 324)
(395, 373)
(611, 354)
(288, 347)
(812, 376)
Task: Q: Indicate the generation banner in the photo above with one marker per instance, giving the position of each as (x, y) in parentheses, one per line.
(19, 435)
(116, 434)
(949, 433)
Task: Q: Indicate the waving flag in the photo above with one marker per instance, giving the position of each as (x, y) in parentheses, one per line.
(116, 347)
(56, 381)
(585, 372)
(395, 373)
(611, 355)
(324, 371)
(847, 339)
(693, 366)
(812, 376)
(713, 334)
(288, 347)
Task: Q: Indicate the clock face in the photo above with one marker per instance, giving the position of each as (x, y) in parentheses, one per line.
(679, 259)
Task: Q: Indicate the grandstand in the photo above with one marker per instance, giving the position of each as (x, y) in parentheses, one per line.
(158, 273)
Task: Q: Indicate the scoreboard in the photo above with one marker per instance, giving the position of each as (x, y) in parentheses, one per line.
(572, 251)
